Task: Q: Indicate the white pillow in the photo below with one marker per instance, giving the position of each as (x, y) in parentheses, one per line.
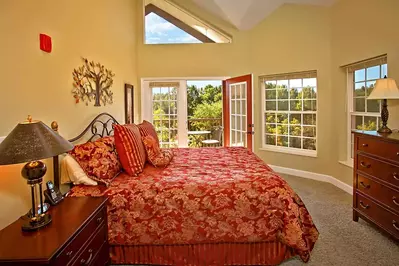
(72, 172)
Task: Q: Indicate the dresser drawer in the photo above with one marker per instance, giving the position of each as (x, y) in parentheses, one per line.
(90, 253)
(383, 218)
(69, 253)
(379, 148)
(384, 171)
(378, 192)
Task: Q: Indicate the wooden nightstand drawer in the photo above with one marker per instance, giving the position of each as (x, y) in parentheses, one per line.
(378, 169)
(90, 252)
(379, 192)
(70, 252)
(377, 214)
(78, 224)
(378, 148)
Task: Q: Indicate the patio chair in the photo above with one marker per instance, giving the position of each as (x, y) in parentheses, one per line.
(216, 140)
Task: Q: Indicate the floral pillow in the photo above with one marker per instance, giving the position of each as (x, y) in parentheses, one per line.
(98, 159)
(156, 156)
(148, 129)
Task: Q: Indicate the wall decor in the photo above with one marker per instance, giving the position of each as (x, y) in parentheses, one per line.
(92, 82)
(129, 104)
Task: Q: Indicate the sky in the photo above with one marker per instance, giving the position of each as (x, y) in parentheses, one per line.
(158, 30)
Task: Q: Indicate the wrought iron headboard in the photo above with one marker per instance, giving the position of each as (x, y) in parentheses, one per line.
(100, 126)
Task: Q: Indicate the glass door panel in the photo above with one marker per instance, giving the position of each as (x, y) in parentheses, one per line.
(238, 114)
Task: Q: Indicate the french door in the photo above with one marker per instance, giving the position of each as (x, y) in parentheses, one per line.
(237, 112)
(163, 104)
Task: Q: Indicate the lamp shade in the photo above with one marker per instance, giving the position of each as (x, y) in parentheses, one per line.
(31, 141)
(385, 89)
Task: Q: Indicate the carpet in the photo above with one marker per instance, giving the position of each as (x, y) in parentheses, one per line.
(342, 242)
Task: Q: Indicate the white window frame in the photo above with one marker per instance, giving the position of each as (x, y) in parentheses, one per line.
(289, 150)
(381, 60)
(147, 104)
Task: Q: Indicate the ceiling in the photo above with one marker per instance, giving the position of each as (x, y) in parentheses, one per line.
(245, 14)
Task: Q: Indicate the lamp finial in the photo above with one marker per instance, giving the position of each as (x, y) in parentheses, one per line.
(29, 119)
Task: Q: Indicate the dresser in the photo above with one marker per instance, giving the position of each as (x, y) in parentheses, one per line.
(77, 235)
(376, 180)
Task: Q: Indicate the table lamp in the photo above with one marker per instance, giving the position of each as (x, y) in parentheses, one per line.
(29, 142)
(385, 89)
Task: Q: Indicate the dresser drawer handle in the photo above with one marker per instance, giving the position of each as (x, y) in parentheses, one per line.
(394, 200)
(99, 219)
(87, 262)
(395, 225)
(363, 164)
(364, 185)
(363, 205)
(395, 176)
(365, 145)
(69, 253)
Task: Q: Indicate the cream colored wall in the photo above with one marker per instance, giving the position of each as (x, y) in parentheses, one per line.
(40, 84)
(360, 30)
(294, 38)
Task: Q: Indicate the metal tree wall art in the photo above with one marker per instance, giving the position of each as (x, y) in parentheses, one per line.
(92, 82)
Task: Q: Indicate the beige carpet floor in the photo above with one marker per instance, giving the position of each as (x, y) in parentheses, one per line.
(342, 242)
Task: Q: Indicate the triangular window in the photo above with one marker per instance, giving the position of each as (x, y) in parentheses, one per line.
(166, 23)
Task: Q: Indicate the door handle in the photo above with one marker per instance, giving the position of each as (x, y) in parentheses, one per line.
(251, 125)
(250, 132)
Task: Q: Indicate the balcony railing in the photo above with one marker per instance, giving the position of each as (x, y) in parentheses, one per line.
(195, 124)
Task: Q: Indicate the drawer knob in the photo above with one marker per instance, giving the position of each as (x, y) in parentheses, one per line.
(395, 201)
(69, 253)
(395, 176)
(364, 185)
(365, 165)
(364, 206)
(395, 225)
(365, 145)
(88, 260)
(99, 219)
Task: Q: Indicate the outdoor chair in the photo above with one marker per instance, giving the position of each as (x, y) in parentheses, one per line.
(216, 139)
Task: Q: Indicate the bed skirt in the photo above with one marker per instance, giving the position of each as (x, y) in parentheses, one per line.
(262, 253)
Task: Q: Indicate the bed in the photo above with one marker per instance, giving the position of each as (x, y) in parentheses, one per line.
(210, 206)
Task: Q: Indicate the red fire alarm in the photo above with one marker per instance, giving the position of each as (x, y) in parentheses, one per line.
(45, 43)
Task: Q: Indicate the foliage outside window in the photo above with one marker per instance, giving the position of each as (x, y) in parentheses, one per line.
(164, 113)
(290, 110)
(364, 114)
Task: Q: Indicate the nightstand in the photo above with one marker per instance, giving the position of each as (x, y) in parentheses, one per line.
(78, 235)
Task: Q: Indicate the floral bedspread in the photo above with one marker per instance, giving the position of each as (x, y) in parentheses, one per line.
(210, 195)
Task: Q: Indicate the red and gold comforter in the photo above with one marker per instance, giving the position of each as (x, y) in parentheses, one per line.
(210, 195)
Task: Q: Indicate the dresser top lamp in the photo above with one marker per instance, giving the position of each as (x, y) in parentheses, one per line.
(31, 141)
(385, 89)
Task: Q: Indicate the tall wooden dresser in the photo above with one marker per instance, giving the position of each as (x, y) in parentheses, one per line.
(376, 180)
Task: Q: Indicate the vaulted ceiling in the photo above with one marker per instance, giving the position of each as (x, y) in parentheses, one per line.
(245, 14)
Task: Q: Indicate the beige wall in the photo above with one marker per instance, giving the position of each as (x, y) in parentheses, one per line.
(360, 30)
(40, 84)
(294, 38)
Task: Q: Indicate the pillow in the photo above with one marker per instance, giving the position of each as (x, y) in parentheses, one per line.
(156, 156)
(72, 172)
(130, 148)
(147, 129)
(98, 159)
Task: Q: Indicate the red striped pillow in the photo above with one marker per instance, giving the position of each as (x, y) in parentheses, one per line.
(130, 148)
(147, 129)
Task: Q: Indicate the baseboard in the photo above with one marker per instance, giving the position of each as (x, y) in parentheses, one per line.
(315, 176)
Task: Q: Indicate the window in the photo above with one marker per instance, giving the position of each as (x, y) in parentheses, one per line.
(290, 112)
(167, 23)
(164, 113)
(363, 114)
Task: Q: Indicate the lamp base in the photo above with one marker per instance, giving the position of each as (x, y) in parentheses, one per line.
(384, 130)
(33, 225)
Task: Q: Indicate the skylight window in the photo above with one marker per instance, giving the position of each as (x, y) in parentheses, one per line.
(167, 23)
(159, 30)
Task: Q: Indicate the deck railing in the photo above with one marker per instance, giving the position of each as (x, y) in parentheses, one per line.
(194, 124)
